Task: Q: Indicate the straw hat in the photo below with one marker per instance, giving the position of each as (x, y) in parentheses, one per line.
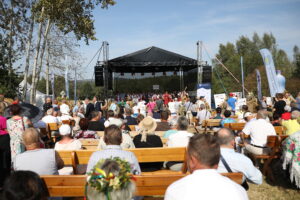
(148, 124)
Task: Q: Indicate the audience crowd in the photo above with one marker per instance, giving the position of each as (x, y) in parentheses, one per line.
(27, 153)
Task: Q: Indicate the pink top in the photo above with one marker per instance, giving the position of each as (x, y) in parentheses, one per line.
(150, 106)
(3, 126)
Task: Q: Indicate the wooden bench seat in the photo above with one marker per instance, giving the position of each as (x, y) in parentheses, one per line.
(143, 155)
(146, 185)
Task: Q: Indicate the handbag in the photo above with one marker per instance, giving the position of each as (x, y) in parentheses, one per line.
(244, 184)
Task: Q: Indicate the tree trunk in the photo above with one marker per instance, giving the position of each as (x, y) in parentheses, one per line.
(47, 70)
(42, 54)
(34, 70)
(27, 59)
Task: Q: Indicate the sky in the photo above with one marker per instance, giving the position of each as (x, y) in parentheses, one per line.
(174, 25)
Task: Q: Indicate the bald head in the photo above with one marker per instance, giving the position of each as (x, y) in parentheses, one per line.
(225, 137)
(31, 138)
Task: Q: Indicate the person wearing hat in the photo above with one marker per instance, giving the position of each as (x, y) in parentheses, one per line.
(67, 142)
(147, 139)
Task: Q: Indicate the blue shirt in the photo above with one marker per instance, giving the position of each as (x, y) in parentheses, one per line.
(231, 102)
(112, 151)
(226, 121)
(240, 163)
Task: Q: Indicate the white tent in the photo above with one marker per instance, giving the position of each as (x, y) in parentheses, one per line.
(39, 98)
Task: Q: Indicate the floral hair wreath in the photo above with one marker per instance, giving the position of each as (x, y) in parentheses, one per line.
(105, 183)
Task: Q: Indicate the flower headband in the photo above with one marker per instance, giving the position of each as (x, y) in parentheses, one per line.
(100, 181)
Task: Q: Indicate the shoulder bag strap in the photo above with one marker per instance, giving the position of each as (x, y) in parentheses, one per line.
(225, 164)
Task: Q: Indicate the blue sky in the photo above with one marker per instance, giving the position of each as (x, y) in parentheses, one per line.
(175, 25)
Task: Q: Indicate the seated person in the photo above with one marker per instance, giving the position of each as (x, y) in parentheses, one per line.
(163, 125)
(179, 139)
(173, 125)
(113, 139)
(258, 130)
(287, 113)
(235, 162)
(111, 119)
(40, 161)
(127, 142)
(290, 156)
(203, 114)
(219, 113)
(203, 155)
(49, 118)
(276, 119)
(129, 119)
(95, 124)
(292, 125)
(84, 132)
(116, 180)
(228, 119)
(147, 139)
(67, 142)
(24, 185)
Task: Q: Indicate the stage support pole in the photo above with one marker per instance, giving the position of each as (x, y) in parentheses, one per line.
(199, 61)
(242, 72)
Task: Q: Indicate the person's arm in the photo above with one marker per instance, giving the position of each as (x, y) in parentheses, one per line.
(251, 172)
(59, 162)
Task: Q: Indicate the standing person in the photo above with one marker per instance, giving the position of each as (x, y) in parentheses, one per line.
(150, 107)
(5, 161)
(97, 104)
(16, 126)
(203, 114)
(77, 106)
(55, 105)
(159, 104)
(64, 108)
(166, 98)
(231, 102)
(89, 108)
(279, 104)
(47, 105)
(203, 155)
(163, 125)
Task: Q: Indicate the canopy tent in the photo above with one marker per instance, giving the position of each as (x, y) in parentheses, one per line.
(152, 59)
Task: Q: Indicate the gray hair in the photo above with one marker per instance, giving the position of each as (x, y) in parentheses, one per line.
(202, 106)
(261, 114)
(182, 123)
(287, 108)
(50, 111)
(225, 136)
(295, 114)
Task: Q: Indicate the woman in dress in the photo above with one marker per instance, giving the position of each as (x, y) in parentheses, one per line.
(15, 127)
(150, 107)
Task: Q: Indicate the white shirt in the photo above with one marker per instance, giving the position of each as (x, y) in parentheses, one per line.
(259, 130)
(49, 119)
(141, 105)
(114, 121)
(179, 139)
(64, 108)
(240, 163)
(66, 117)
(203, 115)
(205, 184)
(74, 145)
(127, 142)
(135, 110)
(172, 107)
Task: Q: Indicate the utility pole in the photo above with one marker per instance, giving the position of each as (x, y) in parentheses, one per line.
(199, 61)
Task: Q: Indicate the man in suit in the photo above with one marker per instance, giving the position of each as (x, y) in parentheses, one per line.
(97, 104)
(89, 108)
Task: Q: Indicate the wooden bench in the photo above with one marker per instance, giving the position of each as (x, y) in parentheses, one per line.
(146, 185)
(143, 155)
(210, 123)
(52, 127)
(240, 126)
(89, 144)
(274, 143)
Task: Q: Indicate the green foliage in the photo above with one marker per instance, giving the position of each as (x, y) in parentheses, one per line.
(71, 15)
(230, 55)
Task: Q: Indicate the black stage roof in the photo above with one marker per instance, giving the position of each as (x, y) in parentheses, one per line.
(152, 59)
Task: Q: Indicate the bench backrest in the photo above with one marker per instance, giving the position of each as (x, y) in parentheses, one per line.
(52, 126)
(278, 130)
(89, 144)
(237, 126)
(146, 185)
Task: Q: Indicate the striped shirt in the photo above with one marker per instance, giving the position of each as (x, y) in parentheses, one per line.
(112, 151)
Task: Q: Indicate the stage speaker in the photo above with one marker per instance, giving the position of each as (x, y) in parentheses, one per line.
(99, 78)
(207, 74)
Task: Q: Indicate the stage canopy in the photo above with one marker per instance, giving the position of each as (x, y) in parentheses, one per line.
(152, 59)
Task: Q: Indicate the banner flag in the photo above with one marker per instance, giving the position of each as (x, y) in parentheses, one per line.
(270, 70)
(204, 90)
(258, 78)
